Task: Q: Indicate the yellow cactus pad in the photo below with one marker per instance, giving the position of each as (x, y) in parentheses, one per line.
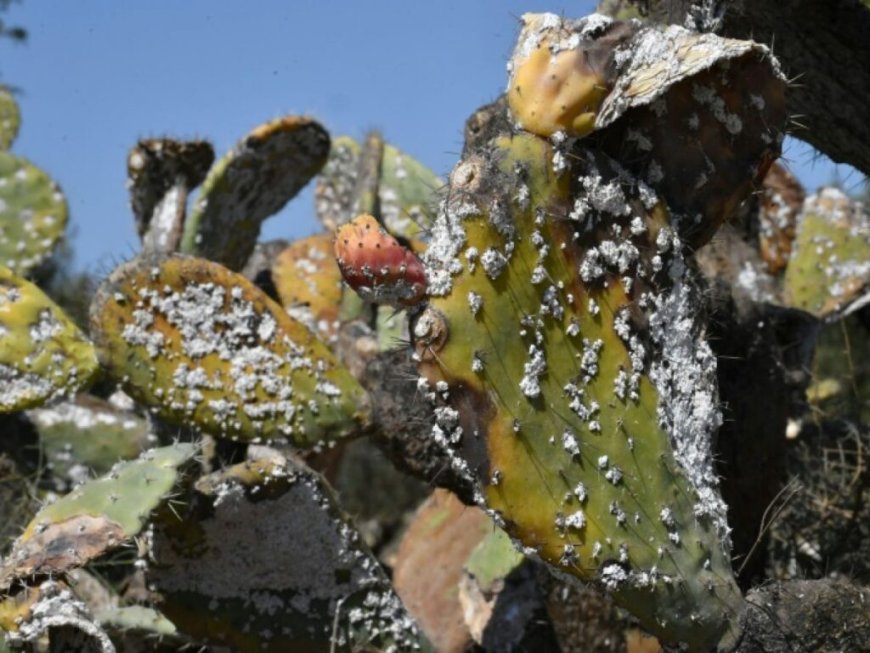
(308, 282)
(829, 267)
(203, 345)
(43, 355)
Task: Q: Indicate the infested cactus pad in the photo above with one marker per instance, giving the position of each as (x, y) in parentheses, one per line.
(43, 355)
(160, 174)
(334, 199)
(33, 214)
(10, 118)
(673, 105)
(86, 436)
(829, 267)
(562, 70)
(561, 330)
(250, 183)
(403, 187)
(781, 200)
(95, 517)
(203, 345)
(58, 617)
(406, 193)
(263, 560)
(308, 283)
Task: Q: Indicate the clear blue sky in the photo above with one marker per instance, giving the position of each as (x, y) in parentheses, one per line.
(96, 75)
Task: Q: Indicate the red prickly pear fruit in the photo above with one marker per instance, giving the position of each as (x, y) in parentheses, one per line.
(377, 266)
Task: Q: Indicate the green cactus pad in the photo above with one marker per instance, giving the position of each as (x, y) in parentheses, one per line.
(33, 214)
(43, 355)
(97, 516)
(250, 183)
(308, 282)
(334, 192)
(493, 559)
(829, 267)
(160, 174)
(85, 437)
(550, 279)
(202, 345)
(406, 193)
(261, 559)
(10, 118)
(135, 618)
(405, 190)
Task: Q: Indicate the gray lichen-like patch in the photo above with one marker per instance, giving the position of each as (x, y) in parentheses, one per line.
(274, 554)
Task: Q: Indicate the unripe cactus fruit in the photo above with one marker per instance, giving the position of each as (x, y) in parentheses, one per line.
(562, 71)
(377, 266)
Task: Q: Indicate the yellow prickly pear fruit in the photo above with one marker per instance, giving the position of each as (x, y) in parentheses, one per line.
(561, 72)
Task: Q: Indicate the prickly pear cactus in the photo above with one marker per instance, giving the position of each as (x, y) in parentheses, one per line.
(161, 172)
(33, 214)
(562, 71)
(397, 188)
(86, 436)
(249, 184)
(10, 118)
(561, 327)
(262, 559)
(656, 93)
(43, 355)
(57, 618)
(334, 199)
(96, 517)
(204, 346)
(308, 283)
(136, 627)
(829, 268)
(15, 609)
(782, 198)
